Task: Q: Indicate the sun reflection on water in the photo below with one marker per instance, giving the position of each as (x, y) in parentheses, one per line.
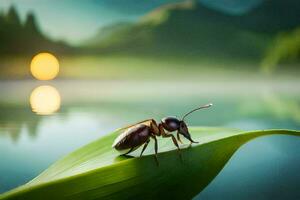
(45, 100)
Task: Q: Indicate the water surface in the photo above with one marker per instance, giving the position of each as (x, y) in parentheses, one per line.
(35, 132)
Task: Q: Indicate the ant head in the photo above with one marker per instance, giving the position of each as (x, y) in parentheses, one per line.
(183, 129)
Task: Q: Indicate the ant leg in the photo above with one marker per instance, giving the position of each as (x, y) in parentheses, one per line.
(155, 148)
(178, 138)
(129, 151)
(164, 134)
(144, 147)
(174, 140)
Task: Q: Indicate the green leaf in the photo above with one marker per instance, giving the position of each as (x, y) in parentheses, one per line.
(96, 171)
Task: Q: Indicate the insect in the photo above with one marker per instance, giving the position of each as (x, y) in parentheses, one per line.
(140, 133)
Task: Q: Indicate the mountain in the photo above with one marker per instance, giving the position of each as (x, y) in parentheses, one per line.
(105, 33)
(273, 16)
(25, 38)
(189, 28)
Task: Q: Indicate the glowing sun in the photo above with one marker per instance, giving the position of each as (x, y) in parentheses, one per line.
(44, 66)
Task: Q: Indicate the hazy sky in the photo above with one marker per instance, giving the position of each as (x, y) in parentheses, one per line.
(75, 20)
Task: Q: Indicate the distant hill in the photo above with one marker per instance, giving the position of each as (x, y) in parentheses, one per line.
(181, 29)
(284, 49)
(105, 32)
(273, 16)
(190, 28)
(25, 38)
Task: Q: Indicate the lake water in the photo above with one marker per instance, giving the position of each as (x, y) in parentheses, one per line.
(42, 121)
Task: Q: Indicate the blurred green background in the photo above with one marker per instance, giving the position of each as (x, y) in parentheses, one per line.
(257, 36)
(125, 61)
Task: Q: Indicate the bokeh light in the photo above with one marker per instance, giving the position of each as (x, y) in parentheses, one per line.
(44, 66)
(45, 100)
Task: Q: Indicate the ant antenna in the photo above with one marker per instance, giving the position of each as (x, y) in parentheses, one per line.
(205, 106)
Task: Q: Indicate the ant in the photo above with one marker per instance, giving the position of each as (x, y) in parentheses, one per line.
(140, 133)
